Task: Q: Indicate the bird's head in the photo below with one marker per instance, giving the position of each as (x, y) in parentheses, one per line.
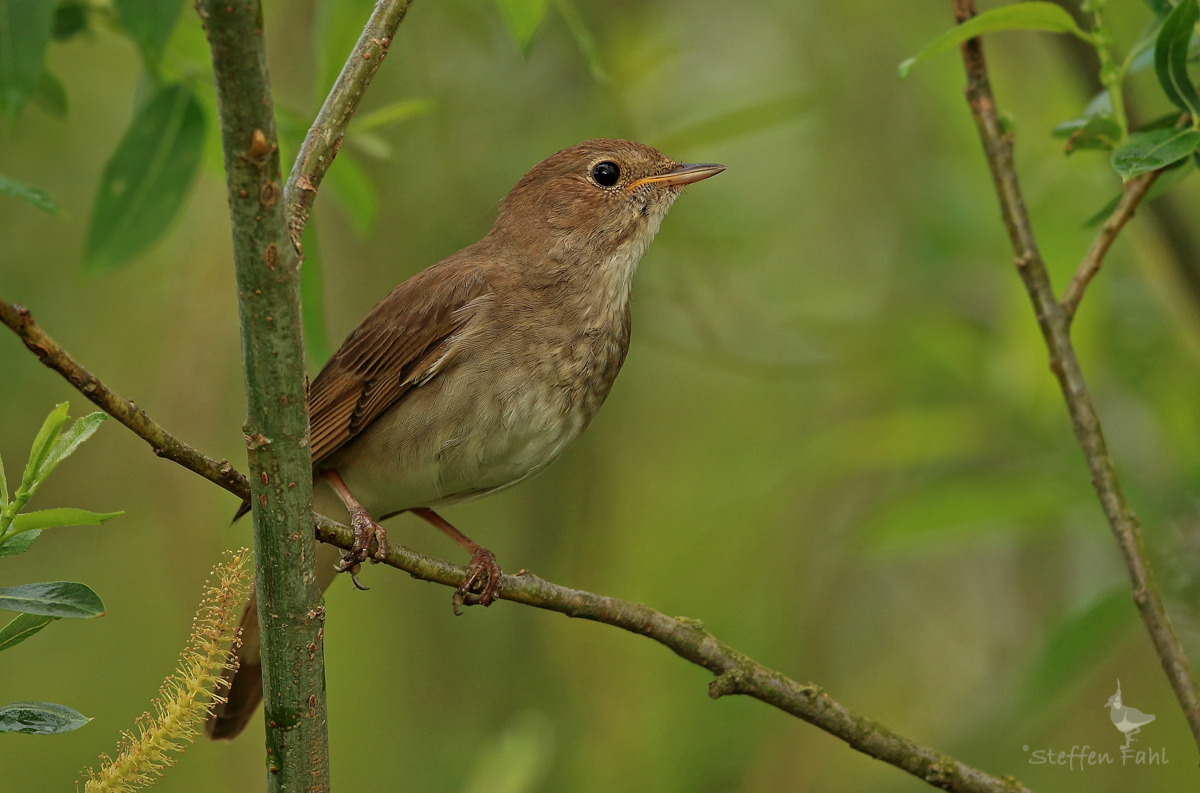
(1115, 700)
(588, 203)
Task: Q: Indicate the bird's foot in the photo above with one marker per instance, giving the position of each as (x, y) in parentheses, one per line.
(483, 581)
(365, 530)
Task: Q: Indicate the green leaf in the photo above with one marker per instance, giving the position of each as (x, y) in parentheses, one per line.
(1018, 16)
(354, 190)
(70, 19)
(51, 96)
(1148, 151)
(3, 485)
(18, 543)
(43, 444)
(1097, 132)
(1160, 7)
(30, 195)
(1166, 180)
(146, 179)
(391, 114)
(25, 27)
(40, 718)
(69, 441)
(1078, 644)
(21, 628)
(736, 123)
(312, 298)
(1171, 53)
(583, 38)
(149, 23)
(62, 516)
(523, 18)
(53, 599)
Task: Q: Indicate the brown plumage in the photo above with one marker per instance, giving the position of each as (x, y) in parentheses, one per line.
(481, 370)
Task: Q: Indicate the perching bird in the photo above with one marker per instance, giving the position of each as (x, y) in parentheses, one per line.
(478, 372)
(1128, 720)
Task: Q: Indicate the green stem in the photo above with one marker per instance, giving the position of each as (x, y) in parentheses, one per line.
(290, 610)
(1112, 75)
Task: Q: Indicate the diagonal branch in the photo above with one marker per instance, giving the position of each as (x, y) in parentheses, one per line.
(1135, 190)
(123, 410)
(736, 672)
(324, 137)
(1054, 321)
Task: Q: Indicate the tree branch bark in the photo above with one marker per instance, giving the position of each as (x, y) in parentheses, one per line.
(1135, 190)
(1054, 320)
(324, 137)
(736, 672)
(290, 608)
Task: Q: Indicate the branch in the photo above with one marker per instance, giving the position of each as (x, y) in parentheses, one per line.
(736, 673)
(1135, 190)
(290, 613)
(324, 137)
(1054, 321)
(125, 411)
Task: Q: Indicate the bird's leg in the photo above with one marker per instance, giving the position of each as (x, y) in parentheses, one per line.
(365, 530)
(483, 570)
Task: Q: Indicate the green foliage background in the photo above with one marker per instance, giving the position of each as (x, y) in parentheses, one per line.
(835, 440)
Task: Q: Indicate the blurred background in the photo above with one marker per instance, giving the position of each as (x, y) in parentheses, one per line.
(835, 440)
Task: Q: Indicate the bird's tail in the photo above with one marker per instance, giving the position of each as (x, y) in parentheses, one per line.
(242, 688)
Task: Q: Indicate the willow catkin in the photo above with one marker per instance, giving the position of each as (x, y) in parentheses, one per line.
(187, 696)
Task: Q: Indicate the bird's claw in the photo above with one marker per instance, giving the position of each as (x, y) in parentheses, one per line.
(483, 581)
(366, 530)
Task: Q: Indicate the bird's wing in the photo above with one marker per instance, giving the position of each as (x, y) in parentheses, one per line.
(401, 344)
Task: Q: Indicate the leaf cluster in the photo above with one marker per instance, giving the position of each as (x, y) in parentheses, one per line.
(42, 603)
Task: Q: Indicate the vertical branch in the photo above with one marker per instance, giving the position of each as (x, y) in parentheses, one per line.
(1054, 321)
(290, 612)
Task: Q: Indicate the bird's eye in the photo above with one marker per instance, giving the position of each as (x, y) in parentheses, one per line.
(606, 173)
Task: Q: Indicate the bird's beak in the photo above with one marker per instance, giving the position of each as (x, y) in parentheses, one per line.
(684, 173)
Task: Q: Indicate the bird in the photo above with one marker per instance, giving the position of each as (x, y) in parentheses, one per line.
(479, 371)
(1128, 720)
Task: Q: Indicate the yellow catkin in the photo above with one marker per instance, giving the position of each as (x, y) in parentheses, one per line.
(186, 697)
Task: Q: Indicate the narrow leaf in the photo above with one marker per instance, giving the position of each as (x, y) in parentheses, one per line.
(523, 18)
(391, 114)
(149, 23)
(583, 38)
(146, 180)
(51, 96)
(25, 27)
(40, 718)
(1098, 132)
(53, 599)
(69, 441)
(30, 195)
(353, 189)
(21, 628)
(43, 444)
(3, 485)
(1148, 151)
(736, 123)
(1077, 644)
(1171, 54)
(62, 516)
(312, 298)
(1159, 7)
(1018, 16)
(18, 543)
(1166, 180)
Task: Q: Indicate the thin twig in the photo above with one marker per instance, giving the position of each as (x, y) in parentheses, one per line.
(324, 137)
(736, 673)
(1054, 321)
(1135, 190)
(123, 410)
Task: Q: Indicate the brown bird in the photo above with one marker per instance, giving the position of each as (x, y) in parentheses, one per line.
(478, 372)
